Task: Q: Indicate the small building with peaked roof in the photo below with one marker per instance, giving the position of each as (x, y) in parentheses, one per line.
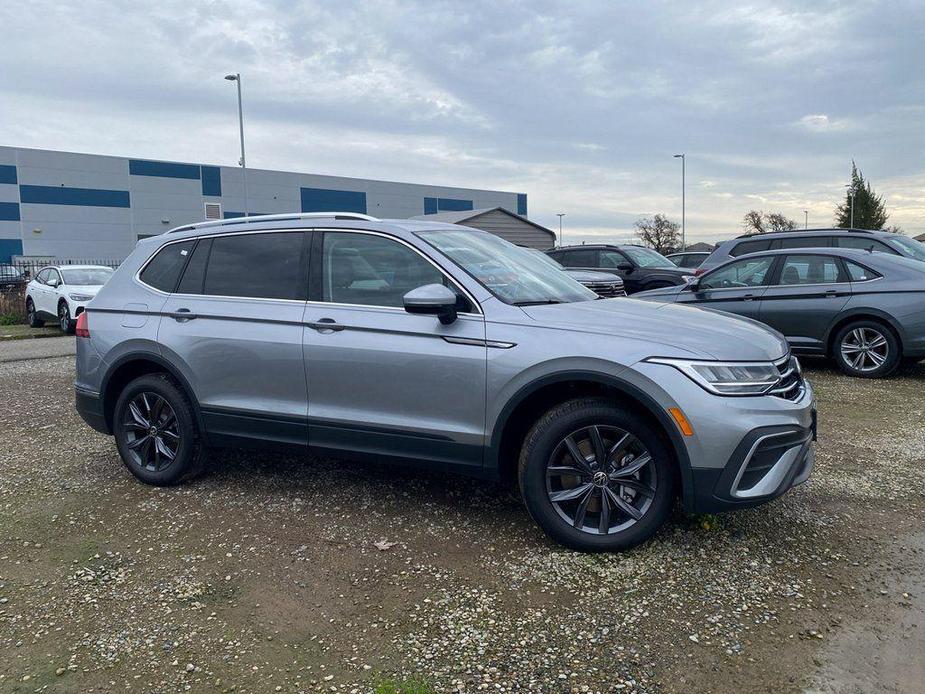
(502, 222)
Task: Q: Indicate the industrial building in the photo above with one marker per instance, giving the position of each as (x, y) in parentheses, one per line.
(84, 206)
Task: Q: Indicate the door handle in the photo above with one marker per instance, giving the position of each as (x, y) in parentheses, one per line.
(749, 297)
(831, 293)
(326, 325)
(181, 315)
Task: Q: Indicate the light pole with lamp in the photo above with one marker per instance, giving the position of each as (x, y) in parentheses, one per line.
(852, 191)
(560, 215)
(806, 219)
(683, 159)
(237, 78)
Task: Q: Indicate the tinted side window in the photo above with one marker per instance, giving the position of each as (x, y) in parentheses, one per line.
(864, 244)
(750, 247)
(371, 270)
(748, 272)
(42, 276)
(163, 271)
(858, 273)
(809, 269)
(580, 258)
(259, 266)
(195, 273)
(612, 259)
(806, 242)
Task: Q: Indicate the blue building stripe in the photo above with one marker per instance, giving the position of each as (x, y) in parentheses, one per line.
(7, 173)
(59, 195)
(453, 205)
(8, 248)
(325, 200)
(9, 211)
(211, 180)
(164, 169)
(430, 206)
(522, 204)
(228, 214)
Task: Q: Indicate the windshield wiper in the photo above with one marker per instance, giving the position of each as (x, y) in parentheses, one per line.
(541, 302)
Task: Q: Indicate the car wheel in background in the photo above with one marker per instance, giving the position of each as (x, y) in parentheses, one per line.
(155, 428)
(596, 476)
(31, 316)
(64, 318)
(867, 349)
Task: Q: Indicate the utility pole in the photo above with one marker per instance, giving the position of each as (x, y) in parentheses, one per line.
(852, 191)
(560, 215)
(683, 159)
(237, 78)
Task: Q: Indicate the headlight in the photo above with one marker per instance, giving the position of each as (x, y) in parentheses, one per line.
(726, 377)
(80, 297)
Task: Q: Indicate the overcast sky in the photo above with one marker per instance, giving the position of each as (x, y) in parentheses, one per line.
(580, 105)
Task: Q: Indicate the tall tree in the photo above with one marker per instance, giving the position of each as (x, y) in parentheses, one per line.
(659, 233)
(758, 222)
(869, 208)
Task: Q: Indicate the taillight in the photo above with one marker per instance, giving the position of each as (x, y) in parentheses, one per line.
(83, 325)
(699, 271)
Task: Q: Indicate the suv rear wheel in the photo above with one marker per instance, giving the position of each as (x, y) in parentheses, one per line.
(155, 428)
(867, 349)
(595, 476)
(32, 316)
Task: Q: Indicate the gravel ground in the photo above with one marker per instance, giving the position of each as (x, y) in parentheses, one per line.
(275, 573)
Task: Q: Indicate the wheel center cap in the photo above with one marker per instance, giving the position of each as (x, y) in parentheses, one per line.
(600, 479)
(153, 431)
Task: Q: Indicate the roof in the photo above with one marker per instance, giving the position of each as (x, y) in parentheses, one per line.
(811, 232)
(461, 216)
(920, 237)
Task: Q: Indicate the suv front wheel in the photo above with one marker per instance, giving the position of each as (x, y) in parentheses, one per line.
(155, 428)
(595, 476)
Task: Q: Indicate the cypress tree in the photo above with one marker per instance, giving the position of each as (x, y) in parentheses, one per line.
(869, 208)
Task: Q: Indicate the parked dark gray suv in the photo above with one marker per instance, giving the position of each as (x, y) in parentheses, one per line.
(429, 342)
(640, 268)
(865, 310)
(860, 239)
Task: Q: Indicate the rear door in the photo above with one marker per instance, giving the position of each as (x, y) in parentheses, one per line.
(807, 293)
(234, 325)
(736, 287)
(381, 380)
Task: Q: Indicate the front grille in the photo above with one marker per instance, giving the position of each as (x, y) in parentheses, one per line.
(607, 290)
(791, 385)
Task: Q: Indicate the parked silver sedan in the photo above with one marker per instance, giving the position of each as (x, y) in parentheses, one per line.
(865, 310)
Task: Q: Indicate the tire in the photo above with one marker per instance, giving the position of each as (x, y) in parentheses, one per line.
(34, 320)
(64, 318)
(867, 349)
(545, 462)
(175, 431)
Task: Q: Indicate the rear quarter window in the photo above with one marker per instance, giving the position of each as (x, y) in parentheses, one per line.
(747, 247)
(163, 270)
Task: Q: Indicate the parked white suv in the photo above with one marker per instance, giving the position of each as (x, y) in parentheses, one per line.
(61, 292)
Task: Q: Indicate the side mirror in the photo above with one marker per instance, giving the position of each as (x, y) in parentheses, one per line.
(53, 282)
(693, 284)
(625, 267)
(432, 300)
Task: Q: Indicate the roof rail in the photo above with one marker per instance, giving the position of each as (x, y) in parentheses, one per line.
(285, 216)
(750, 234)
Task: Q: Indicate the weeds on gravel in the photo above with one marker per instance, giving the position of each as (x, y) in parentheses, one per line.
(403, 687)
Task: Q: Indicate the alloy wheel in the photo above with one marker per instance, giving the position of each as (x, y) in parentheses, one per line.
(865, 349)
(64, 317)
(151, 433)
(30, 311)
(601, 479)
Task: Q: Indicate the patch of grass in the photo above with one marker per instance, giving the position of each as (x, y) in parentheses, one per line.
(11, 319)
(412, 686)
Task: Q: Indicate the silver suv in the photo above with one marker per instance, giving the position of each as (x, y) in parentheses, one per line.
(422, 341)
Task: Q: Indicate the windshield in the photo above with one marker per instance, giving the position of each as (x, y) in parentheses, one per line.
(86, 276)
(646, 257)
(9, 271)
(911, 247)
(513, 274)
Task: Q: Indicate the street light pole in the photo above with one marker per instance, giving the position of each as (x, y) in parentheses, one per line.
(851, 193)
(806, 219)
(560, 215)
(683, 159)
(237, 78)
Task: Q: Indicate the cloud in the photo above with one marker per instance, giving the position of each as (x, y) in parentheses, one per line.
(579, 106)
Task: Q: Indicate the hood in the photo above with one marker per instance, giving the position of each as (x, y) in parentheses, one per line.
(661, 294)
(701, 333)
(592, 276)
(89, 289)
(673, 271)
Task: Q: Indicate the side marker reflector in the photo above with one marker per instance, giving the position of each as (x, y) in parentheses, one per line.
(681, 421)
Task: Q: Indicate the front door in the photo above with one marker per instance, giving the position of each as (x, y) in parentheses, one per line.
(234, 325)
(808, 294)
(381, 380)
(736, 287)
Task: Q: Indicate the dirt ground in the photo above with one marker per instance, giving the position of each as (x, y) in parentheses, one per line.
(274, 573)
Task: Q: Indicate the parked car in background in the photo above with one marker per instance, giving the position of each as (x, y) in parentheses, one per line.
(690, 260)
(865, 310)
(876, 241)
(10, 276)
(606, 285)
(640, 268)
(448, 346)
(61, 292)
